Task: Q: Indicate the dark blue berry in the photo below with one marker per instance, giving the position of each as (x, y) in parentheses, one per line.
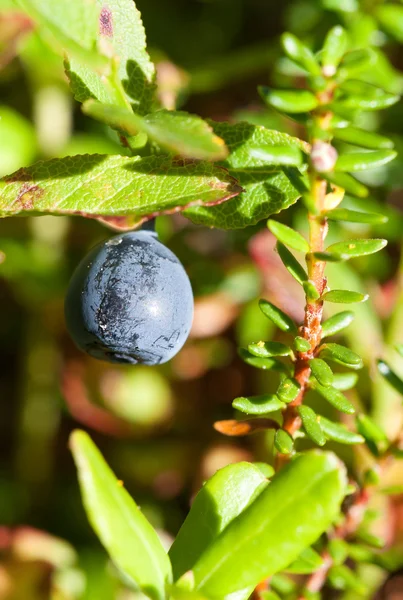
(130, 301)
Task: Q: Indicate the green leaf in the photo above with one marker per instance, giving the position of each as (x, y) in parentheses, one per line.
(311, 425)
(338, 550)
(277, 316)
(267, 470)
(268, 349)
(301, 344)
(310, 290)
(288, 390)
(337, 323)
(344, 297)
(299, 504)
(339, 433)
(359, 247)
(390, 17)
(355, 62)
(361, 161)
(221, 499)
(288, 236)
(372, 433)
(344, 381)
(327, 256)
(73, 28)
(258, 405)
(348, 183)
(341, 355)
(360, 137)
(291, 263)
(115, 186)
(399, 348)
(335, 46)
(121, 29)
(283, 442)
(362, 96)
(178, 132)
(278, 155)
(335, 398)
(353, 216)
(342, 578)
(300, 53)
(289, 101)
(266, 190)
(261, 363)
(390, 376)
(307, 562)
(128, 537)
(321, 371)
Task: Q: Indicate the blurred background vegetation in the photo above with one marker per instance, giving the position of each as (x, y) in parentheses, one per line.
(154, 425)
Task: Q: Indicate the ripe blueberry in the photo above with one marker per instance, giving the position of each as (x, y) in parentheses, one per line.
(130, 301)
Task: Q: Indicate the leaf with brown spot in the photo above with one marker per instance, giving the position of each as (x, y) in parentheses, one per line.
(234, 428)
(122, 191)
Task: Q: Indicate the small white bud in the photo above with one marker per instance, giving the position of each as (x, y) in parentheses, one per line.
(323, 157)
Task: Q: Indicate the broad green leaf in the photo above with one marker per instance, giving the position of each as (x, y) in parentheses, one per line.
(288, 236)
(261, 363)
(307, 562)
(361, 161)
(299, 504)
(390, 376)
(268, 349)
(277, 316)
(335, 46)
(339, 433)
(354, 248)
(73, 27)
(360, 137)
(300, 53)
(221, 499)
(278, 155)
(348, 183)
(288, 390)
(335, 398)
(341, 355)
(344, 297)
(390, 17)
(266, 190)
(291, 263)
(283, 442)
(258, 405)
(311, 424)
(178, 132)
(353, 216)
(344, 381)
(301, 344)
(321, 371)
(289, 101)
(337, 323)
(131, 542)
(113, 186)
(121, 29)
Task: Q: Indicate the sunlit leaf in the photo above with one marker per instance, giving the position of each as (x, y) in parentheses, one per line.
(354, 216)
(288, 236)
(339, 433)
(268, 349)
(321, 371)
(291, 263)
(337, 323)
(334, 47)
(277, 316)
(360, 247)
(283, 442)
(344, 297)
(289, 101)
(360, 137)
(288, 390)
(335, 398)
(342, 355)
(258, 405)
(300, 53)
(361, 161)
(311, 425)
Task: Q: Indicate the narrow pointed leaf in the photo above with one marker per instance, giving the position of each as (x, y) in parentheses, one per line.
(348, 183)
(269, 349)
(341, 355)
(307, 562)
(310, 290)
(221, 499)
(291, 263)
(344, 297)
(178, 132)
(261, 363)
(283, 442)
(353, 216)
(335, 46)
(289, 101)
(277, 316)
(288, 236)
(289, 515)
(321, 371)
(335, 398)
(337, 323)
(278, 155)
(301, 344)
(339, 433)
(300, 53)
(311, 425)
(390, 376)
(344, 381)
(288, 390)
(258, 405)
(113, 186)
(360, 137)
(128, 537)
(355, 62)
(361, 161)
(328, 256)
(360, 247)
